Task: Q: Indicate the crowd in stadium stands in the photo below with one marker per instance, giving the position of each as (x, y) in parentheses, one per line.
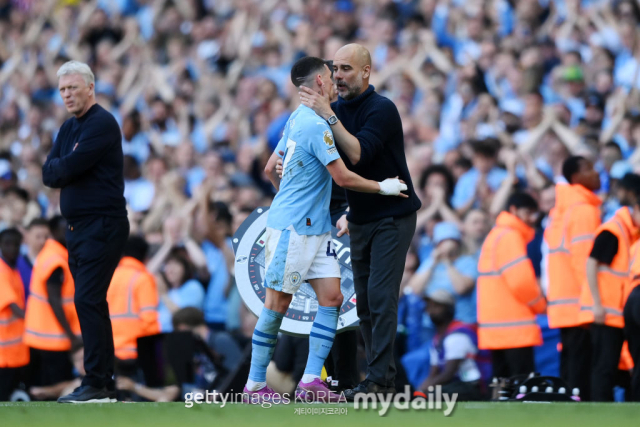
(493, 95)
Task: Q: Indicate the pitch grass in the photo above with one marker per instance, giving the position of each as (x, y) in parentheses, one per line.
(493, 414)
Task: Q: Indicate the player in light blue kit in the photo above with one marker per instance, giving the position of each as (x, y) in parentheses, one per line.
(298, 238)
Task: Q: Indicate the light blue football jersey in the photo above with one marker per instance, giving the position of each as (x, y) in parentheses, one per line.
(305, 188)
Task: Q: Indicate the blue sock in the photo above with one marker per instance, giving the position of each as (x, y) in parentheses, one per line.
(321, 337)
(264, 341)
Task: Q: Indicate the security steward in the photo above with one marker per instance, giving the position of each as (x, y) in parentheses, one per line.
(86, 163)
(133, 304)
(602, 298)
(52, 328)
(508, 293)
(569, 238)
(14, 355)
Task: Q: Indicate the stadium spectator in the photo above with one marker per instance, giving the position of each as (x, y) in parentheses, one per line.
(448, 269)
(456, 363)
(220, 342)
(177, 288)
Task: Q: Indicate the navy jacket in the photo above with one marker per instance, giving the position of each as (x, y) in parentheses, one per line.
(375, 121)
(86, 163)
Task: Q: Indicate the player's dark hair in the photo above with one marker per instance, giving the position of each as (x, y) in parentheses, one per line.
(571, 166)
(188, 316)
(521, 200)
(136, 247)
(305, 68)
(329, 63)
(38, 222)
(10, 232)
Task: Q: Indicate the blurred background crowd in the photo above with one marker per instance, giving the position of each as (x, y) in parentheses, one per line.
(492, 94)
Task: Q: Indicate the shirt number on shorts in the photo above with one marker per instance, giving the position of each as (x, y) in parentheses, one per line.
(331, 252)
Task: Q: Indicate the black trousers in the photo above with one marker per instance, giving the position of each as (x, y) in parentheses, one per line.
(632, 334)
(512, 361)
(575, 359)
(95, 247)
(378, 254)
(606, 345)
(342, 363)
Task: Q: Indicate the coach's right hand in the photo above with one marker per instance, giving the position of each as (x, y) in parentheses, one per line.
(393, 187)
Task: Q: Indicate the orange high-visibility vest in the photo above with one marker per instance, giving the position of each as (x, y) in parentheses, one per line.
(626, 361)
(13, 352)
(613, 280)
(569, 237)
(42, 329)
(508, 293)
(634, 273)
(133, 306)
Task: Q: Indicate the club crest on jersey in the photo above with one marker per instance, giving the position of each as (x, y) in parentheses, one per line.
(328, 138)
(295, 278)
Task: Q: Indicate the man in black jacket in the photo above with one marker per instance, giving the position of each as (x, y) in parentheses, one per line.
(86, 163)
(368, 132)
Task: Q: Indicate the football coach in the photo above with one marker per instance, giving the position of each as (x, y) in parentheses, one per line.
(86, 164)
(368, 131)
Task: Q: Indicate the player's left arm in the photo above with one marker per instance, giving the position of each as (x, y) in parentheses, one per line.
(270, 170)
(92, 145)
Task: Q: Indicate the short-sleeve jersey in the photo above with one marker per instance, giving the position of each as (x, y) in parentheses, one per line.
(305, 188)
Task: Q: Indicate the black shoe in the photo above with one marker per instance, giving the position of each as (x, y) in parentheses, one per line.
(366, 386)
(111, 391)
(87, 394)
(337, 386)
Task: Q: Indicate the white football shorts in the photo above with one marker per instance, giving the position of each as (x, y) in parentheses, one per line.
(292, 258)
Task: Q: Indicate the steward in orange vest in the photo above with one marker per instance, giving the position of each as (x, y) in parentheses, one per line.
(133, 301)
(568, 238)
(52, 328)
(13, 353)
(509, 296)
(632, 321)
(602, 298)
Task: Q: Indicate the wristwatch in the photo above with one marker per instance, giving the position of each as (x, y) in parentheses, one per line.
(332, 120)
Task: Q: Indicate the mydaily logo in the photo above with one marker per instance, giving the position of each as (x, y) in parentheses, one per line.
(435, 399)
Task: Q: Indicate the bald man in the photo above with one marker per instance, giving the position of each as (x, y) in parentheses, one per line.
(368, 131)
